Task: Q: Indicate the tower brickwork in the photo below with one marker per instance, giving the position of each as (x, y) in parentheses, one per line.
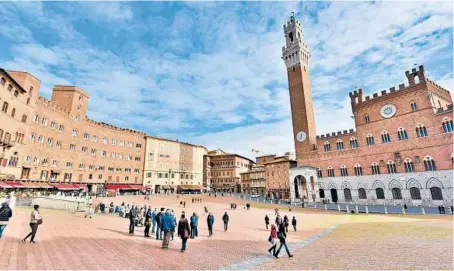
(296, 57)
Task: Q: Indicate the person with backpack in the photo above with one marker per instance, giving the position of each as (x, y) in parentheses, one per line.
(272, 239)
(5, 214)
(294, 223)
(183, 231)
(35, 221)
(281, 235)
(194, 222)
(225, 218)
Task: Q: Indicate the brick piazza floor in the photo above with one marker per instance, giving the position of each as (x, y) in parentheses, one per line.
(324, 240)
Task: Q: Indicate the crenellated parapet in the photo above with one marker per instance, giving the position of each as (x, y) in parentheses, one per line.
(52, 105)
(112, 127)
(336, 134)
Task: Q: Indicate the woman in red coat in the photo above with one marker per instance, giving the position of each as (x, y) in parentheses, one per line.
(183, 231)
(272, 239)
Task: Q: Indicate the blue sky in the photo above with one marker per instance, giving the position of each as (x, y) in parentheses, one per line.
(210, 73)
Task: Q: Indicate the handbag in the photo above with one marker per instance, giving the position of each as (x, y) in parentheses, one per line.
(270, 239)
(40, 221)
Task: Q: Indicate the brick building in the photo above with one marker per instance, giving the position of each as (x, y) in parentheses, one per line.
(171, 165)
(399, 152)
(253, 181)
(58, 143)
(222, 171)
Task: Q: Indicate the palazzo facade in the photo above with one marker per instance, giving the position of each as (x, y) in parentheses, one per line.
(400, 150)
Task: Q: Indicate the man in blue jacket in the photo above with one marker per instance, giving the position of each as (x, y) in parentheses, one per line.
(194, 223)
(167, 226)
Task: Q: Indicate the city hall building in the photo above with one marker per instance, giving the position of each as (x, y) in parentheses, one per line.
(399, 152)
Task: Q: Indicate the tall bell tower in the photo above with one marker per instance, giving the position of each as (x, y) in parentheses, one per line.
(296, 57)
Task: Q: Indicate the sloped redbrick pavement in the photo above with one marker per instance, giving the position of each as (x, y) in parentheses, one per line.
(69, 241)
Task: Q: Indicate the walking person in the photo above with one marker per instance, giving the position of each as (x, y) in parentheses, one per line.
(183, 231)
(167, 227)
(286, 223)
(35, 221)
(194, 223)
(210, 222)
(281, 235)
(132, 219)
(5, 214)
(225, 218)
(148, 219)
(272, 239)
(267, 221)
(294, 223)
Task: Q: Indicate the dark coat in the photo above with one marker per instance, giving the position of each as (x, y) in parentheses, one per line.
(210, 220)
(294, 222)
(5, 213)
(267, 220)
(183, 225)
(225, 218)
(281, 233)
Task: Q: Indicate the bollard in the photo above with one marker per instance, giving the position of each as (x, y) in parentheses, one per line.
(367, 209)
(338, 207)
(403, 210)
(348, 209)
(423, 211)
(356, 209)
(326, 207)
(386, 210)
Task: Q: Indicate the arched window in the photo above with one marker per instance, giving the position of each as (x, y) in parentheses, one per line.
(353, 143)
(375, 168)
(370, 140)
(385, 138)
(330, 171)
(409, 166)
(447, 125)
(366, 118)
(347, 194)
(391, 167)
(380, 193)
(340, 144)
(358, 170)
(421, 131)
(327, 146)
(436, 193)
(414, 106)
(397, 194)
(319, 173)
(362, 193)
(429, 164)
(415, 193)
(402, 134)
(343, 170)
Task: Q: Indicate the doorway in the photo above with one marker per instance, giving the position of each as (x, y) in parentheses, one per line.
(333, 195)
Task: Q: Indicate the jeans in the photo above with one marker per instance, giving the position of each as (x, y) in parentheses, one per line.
(131, 225)
(158, 233)
(194, 232)
(183, 246)
(2, 228)
(283, 244)
(166, 239)
(294, 227)
(226, 224)
(210, 230)
(34, 227)
(147, 229)
(154, 226)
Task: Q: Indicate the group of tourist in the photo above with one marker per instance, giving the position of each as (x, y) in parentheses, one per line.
(279, 231)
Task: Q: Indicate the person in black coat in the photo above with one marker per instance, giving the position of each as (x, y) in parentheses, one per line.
(281, 235)
(286, 223)
(132, 218)
(5, 214)
(147, 222)
(225, 218)
(294, 223)
(267, 221)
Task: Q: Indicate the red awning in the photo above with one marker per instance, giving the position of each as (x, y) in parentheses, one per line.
(81, 186)
(137, 187)
(65, 186)
(5, 185)
(15, 184)
(117, 186)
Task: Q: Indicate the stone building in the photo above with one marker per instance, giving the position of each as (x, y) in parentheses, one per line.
(222, 171)
(253, 181)
(277, 175)
(399, 152)
(62, 145)
(170, 165)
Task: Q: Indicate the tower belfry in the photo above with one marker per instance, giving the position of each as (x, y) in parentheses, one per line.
(296, 57)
